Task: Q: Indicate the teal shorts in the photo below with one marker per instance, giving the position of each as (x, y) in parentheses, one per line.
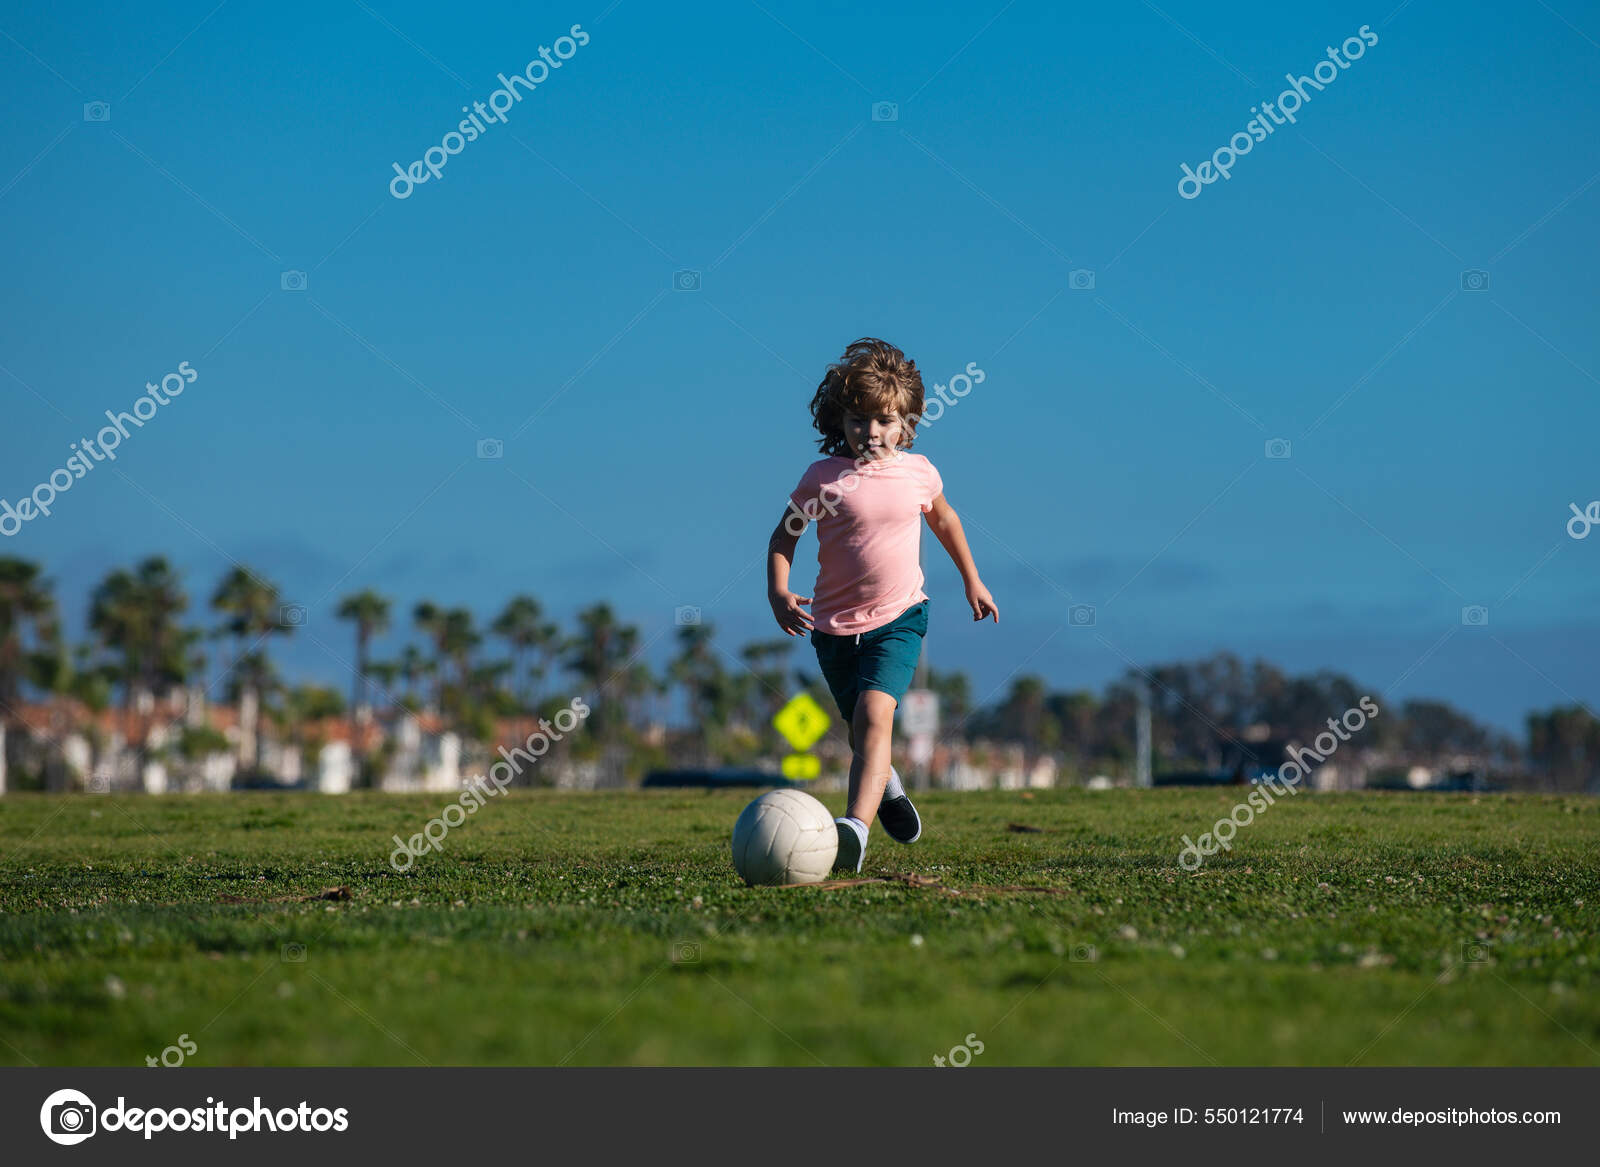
(883, 659)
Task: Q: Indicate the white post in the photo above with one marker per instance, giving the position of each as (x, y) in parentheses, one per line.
(248, 712)
(1142, 773)
(334, 768)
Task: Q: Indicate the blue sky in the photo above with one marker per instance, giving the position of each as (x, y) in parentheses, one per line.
(1114, 456)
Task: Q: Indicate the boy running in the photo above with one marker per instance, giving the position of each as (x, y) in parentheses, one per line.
(870, 613)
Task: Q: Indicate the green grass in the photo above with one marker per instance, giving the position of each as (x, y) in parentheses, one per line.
(1335, 933)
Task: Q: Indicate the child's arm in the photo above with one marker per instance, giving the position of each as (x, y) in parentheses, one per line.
(943, 522)
(786, 606)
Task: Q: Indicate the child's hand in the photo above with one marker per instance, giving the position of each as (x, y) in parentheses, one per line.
(982, 602)
(790, 616)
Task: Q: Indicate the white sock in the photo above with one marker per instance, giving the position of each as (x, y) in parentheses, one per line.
(859, 827)
(894, 789)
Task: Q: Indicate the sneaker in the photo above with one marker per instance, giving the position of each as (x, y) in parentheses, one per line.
(851, 852)
(900, 819)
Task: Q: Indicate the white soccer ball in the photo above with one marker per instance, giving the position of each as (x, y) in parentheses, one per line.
(785, 836)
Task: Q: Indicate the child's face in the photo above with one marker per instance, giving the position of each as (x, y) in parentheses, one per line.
(873, 437)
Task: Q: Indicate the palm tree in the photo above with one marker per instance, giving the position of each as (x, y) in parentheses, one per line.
(384, 674)
(1024, 717)
(90, 679)
(30, 639)
(27, 621)
(370, 613)
(521, 625)
(252, 609)
(135, 615)
(768, 662)
(135, 618)
(955, 699)
(457, 640)
(1075, 712)
(710, 693)
(597, 656)
(485, 701)
(546, 653)
(453, 638)
(253, 612)
(255, 674)
(636, 685)
(413, 666)
(429, 619)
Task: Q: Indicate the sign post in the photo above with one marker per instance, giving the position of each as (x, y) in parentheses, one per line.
(802, 722)
(919, 718)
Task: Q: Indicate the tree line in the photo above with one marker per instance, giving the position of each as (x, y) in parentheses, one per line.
(145, 638)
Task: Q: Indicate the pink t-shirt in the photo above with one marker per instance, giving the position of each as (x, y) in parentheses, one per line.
(869, 527)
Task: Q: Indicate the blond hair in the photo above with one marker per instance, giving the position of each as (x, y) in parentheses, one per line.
(872, 377)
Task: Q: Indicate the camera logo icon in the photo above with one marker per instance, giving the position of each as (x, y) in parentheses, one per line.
(1085, 953)
(1475, 615)
(1472, 952)
(491, 448)
(1278, 448)
(1474, 280)
(1081, 280)
(685, 952)
(68, 1117)
(292, 281)
(687, 614)
(292, 615)
(99, 784)
(294, 954)
(885, 111)
(96, 111)
(1081, 615)
(686, 281)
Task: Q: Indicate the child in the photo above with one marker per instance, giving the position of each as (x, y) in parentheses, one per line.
(871, 612)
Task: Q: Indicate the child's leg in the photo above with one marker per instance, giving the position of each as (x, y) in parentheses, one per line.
(895, 788)
(871, 735)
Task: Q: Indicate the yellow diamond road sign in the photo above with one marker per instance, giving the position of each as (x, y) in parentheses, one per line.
(801, 767)
(802, 721)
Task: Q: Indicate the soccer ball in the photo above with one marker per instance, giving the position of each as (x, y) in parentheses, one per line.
(784, 837)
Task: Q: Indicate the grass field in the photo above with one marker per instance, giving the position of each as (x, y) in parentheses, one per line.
(609, 929)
